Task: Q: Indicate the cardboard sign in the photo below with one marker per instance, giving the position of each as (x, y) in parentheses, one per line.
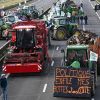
(72, 82)
(93, 56)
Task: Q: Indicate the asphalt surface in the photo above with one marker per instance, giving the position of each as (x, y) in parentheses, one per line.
(40, 86)
(2, 42)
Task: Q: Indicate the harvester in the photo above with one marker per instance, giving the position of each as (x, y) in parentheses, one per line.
(28, 50)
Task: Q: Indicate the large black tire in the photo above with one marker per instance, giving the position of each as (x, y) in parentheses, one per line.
(98, 67)
(61, 33)
(93, 87)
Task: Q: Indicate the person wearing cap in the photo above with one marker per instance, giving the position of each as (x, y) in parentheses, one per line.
(3, 84)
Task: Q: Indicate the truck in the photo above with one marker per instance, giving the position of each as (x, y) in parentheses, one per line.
(78, 73)
(28, 51)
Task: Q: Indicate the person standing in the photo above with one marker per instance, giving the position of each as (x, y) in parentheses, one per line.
(81, 19)
(78, 19)
(85, 19)
(3, 84)
(69, 17)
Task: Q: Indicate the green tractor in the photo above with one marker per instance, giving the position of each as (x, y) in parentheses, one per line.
(79, 56)
(63, 28)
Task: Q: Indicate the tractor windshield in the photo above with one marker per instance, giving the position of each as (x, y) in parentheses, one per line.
(25, 38)
(77, 55)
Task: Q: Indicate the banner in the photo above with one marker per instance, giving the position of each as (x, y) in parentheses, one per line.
(71, 82)
(93, 56)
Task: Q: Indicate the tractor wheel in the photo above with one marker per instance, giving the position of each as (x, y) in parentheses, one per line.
(98, 68)
(61, 33)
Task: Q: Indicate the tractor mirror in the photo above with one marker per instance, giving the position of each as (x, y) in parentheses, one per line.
(62, 51)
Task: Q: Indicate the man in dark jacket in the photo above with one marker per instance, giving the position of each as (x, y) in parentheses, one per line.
(85, 19)
(81, 19)
(3, 84)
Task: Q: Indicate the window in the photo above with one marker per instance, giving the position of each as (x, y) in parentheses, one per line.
(77, 55)
(25, 38)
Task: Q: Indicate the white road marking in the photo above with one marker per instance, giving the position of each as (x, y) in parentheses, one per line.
(52, 63)
(98, 15)
(5, 44)
(62, 62)
(53, 52)
(57, 48)
(92, 99)
(45, 86)
(91, 4)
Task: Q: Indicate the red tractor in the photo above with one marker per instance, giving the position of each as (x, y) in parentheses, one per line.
(28, 50)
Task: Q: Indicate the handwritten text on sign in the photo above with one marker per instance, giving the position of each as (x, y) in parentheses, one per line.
(72, 81)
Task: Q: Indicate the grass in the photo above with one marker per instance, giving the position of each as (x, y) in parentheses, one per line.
(98, 0)
(7, 3)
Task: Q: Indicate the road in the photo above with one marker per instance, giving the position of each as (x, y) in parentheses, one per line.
(40, 86)
(2, 42)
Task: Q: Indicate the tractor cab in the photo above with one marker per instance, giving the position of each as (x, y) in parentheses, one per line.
(77, 54)
(23, 37)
